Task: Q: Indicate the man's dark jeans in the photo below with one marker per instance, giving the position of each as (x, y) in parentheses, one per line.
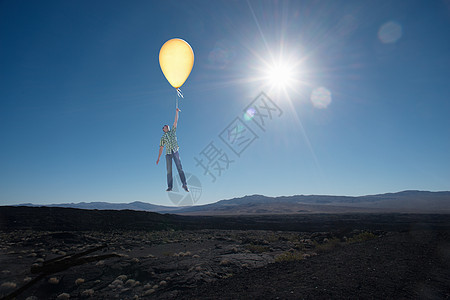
(176, 158)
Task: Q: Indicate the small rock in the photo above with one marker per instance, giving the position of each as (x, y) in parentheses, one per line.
(87, 293)
(79, 281)
(63, 296)
(149, 292)
(6, 286)
(122, 277)
(100, 263)
(116, 284)
(130, 282)
(147, 286)
(54, 280)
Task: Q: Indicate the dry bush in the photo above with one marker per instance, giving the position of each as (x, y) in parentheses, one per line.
(272, 238)
(361, 237)
(289, 256)
(257, 248)
(327, 246)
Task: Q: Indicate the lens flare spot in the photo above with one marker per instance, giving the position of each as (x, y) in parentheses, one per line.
(249, 114)
(390, 32)
(321, 97)
(222, 55)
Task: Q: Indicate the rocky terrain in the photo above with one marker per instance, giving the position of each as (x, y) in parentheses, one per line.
(139, 263)
(407, 265)
(331, 256)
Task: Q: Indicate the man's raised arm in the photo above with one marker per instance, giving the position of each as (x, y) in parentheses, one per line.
(176, 118)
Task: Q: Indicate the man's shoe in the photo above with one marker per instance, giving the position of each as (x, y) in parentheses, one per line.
(185, 188)
(169, 189)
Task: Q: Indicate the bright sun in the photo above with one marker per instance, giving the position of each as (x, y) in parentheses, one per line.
(280, 75)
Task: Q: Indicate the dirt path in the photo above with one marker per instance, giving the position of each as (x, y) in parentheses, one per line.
(413, 265)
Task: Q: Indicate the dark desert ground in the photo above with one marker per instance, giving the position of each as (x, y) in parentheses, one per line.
(66, 253)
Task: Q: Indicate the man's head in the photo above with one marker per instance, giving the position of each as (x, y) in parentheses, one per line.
(166, 128)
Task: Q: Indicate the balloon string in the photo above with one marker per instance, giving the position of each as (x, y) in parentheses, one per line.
(179, 95)
(176, 101)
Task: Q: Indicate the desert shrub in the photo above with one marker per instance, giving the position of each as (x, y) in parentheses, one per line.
(294, 238)
(361, 237)
(289, 256)
(327, 246)
(272, 238)
(257, 248)
(299, 246)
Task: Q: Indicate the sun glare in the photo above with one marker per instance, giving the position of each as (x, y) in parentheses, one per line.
(280, 75)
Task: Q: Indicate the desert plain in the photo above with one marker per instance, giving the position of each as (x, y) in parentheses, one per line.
(61, 253)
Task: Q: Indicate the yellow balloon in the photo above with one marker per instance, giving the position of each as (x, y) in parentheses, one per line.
(176, 59)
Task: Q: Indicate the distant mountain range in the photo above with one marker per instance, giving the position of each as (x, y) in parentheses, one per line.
(401, 202)
(136, 205)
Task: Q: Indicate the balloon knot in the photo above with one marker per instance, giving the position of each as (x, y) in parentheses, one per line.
(180, 93)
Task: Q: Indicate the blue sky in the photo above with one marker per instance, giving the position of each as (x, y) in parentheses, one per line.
(363, 89)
